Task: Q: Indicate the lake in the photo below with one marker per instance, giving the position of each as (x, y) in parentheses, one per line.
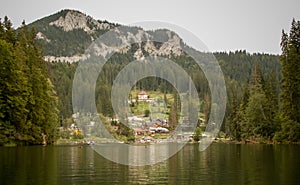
(218, 164)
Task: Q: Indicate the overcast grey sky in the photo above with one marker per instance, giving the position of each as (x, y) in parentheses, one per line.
(223, 25)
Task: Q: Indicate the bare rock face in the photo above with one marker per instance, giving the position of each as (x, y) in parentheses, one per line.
(76, 20)
(71, 59)
(147, 41)
(41, 36)
(172, 46)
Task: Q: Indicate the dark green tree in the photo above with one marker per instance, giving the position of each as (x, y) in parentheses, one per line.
(290, 84)
(197, 135)
(232, 123)
(271, 89)
(13, 94)
(257, 124)
(173, 114)
(27, 96)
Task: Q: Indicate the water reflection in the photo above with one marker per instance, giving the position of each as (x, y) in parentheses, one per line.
(219, 164)
(137, 155)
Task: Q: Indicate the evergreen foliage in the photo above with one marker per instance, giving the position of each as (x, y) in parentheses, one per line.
(290, 85)
(238, 86)
(28, 102)
(262, 115)
(258, 109)
(198, 134)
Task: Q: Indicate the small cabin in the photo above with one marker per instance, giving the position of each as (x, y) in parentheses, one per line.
(143, 96)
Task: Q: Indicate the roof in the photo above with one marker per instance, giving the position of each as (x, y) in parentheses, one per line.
(142, 93)
(138, 130)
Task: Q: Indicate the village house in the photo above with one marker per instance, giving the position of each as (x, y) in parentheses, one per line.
(143, 96)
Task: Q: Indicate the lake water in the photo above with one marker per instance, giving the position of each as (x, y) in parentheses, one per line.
(218, 164)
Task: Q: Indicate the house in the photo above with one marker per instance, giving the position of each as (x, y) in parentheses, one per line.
(153, 130)
(138, 131)
(143, 96)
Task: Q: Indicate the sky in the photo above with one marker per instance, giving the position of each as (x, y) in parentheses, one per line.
(222, 25)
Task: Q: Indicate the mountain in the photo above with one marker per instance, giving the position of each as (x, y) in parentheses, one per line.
(67, 34)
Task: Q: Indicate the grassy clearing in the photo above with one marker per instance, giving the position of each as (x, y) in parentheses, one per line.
(139, 108)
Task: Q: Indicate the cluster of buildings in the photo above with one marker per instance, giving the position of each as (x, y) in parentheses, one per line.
(151, 127)
(144, 127)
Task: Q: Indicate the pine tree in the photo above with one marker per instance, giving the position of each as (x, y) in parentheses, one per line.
(13, 94)
(290, 84)
(51, 114)
(1, 30)
(9, 35)
(272, 106)
(42, 104)
(173, 115)
(232, 123)
(257, 124)
(28, 102)
(206, 108)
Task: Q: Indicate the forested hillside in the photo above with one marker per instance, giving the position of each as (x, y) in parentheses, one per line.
(237, 68)
(36, 96)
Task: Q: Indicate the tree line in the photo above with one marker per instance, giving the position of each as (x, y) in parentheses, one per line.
(268, 109)
(262, 89)
(28, 101)
(35, 96)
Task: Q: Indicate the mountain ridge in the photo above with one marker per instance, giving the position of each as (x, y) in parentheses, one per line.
(66, 35)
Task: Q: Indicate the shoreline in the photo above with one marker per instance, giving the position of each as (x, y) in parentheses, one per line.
(91, 141)
(219, 140)
(226, 141)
